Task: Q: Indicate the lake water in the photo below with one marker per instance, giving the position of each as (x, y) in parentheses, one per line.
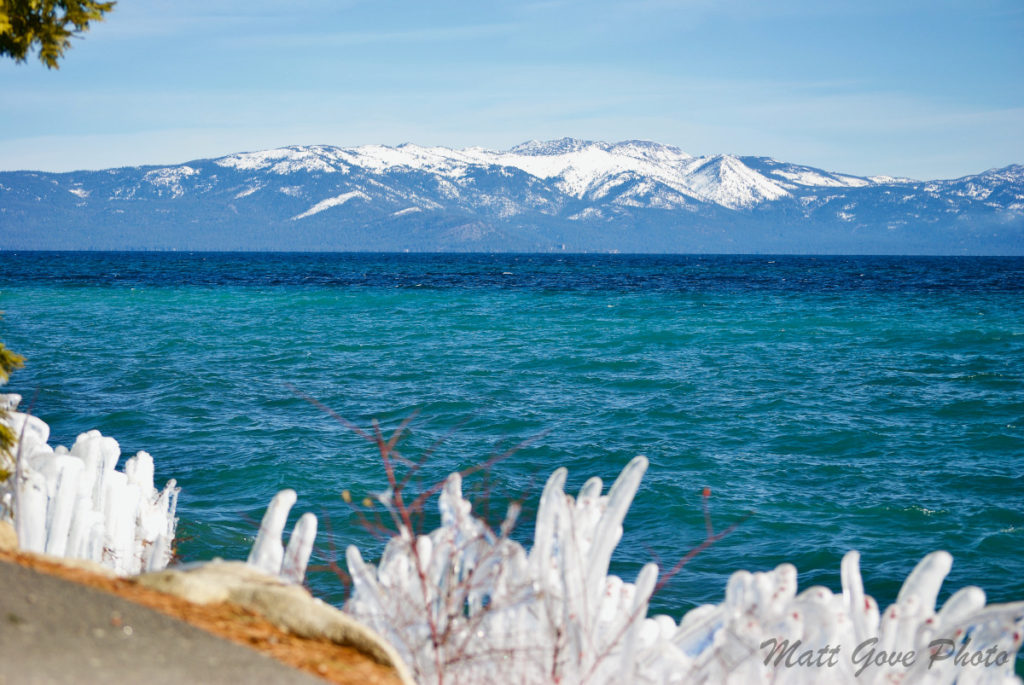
(849, 403)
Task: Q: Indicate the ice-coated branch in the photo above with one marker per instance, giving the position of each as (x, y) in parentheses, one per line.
(74, 503)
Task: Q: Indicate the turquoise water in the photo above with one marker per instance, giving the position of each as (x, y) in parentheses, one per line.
(850, 403)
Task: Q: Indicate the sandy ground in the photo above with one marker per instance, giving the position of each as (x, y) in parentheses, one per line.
(68, 625)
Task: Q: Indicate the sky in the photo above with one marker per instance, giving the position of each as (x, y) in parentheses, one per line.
(923, 89)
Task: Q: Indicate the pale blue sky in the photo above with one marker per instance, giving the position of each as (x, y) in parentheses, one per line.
(927, 89)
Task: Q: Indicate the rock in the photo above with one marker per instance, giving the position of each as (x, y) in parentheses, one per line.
(288, 606)
(8, 537)
(206, 584)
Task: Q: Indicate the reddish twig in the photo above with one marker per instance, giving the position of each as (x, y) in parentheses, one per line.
(712, 538)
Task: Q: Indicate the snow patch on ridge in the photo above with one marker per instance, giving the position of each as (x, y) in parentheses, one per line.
(808, 177)
(891, 180)
(331, 202)
(170, 178)
(288, 160)
(588, 213)
(248, 191)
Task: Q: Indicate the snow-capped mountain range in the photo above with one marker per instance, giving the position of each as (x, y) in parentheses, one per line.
(568, 194)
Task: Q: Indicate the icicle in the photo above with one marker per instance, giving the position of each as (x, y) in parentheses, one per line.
(926, 579)
(63, 505)
(267, 551)
(139, 470)
(609, 528)
(31, 514)
(300, 545)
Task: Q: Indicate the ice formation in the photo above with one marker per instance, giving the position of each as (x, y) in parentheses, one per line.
(465, 604)
(76, 504)
(268, 553)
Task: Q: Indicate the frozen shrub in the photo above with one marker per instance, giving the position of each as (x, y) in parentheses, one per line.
(75, 503)
(465, 604)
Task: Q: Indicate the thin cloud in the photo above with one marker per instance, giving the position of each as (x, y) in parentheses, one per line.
(363, 38)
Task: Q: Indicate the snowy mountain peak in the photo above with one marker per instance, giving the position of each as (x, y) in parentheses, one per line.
(727, 181)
